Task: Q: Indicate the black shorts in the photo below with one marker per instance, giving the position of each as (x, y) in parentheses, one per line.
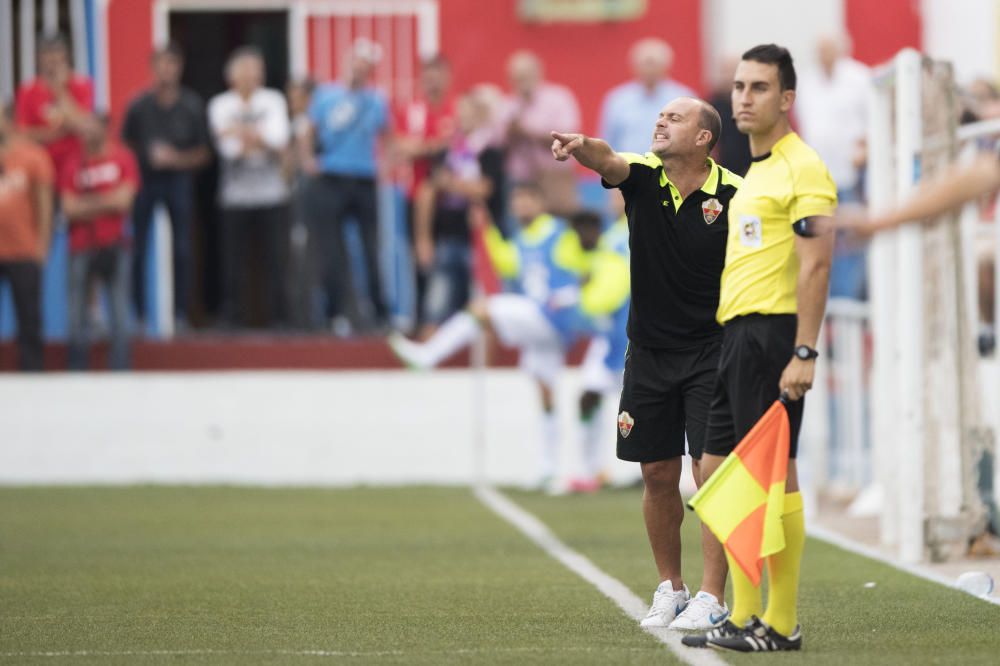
(666, 392)
(755, 351)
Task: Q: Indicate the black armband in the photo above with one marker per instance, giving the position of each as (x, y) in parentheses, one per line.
(805, 228)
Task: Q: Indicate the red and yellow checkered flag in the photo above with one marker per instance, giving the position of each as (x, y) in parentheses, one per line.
(743, 501)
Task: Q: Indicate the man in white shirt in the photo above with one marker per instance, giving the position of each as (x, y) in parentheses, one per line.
(628, 107)
(250, 127)
(831, 107)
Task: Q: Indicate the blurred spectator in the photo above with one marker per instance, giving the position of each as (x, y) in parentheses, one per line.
(423, 129)
(534, 107)
(53, 106)
(628, 107)
(733, 150)
(348, 119)
(98, 187)
(831, 104)
(299, 93)
(301, 264)
(982, 101)
(166, 129)
(25, 228)
(425, 125)
(489, 101)
(467, 175)
(251, 130)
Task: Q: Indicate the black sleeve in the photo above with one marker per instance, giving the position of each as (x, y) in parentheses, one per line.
(130, 127)
(200, 118)
(638, 176)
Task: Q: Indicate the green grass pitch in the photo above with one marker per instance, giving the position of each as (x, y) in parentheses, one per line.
(181, 575)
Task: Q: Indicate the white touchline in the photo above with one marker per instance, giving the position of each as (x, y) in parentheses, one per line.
(305, 653)
(831, 537)
(611, 587)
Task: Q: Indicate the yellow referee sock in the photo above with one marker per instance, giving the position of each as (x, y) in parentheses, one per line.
(783, 570)
(746, 595)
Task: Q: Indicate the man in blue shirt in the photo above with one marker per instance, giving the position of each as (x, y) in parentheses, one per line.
(628, 107)
(348, 120)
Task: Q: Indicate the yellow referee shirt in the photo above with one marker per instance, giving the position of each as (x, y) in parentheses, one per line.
(762, 269)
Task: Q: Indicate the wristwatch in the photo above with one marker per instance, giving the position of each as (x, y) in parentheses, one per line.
(806, 353)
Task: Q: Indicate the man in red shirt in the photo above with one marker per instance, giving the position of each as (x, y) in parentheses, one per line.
(51, 108)
(98, 186)
(423, 129)
(25, 226)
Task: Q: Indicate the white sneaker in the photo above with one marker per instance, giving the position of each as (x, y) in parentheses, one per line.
(702, 613)
(668, 603)
(410, 353)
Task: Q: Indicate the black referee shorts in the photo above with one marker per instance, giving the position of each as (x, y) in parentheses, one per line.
(666, 392)
(755, 351)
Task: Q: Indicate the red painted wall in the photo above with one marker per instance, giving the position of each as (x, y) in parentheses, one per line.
(590, 58)
(880, 29)
(477, 36)
(130, 39)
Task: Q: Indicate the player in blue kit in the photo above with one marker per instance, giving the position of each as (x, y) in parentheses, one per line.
(604, 361)
(552, 300)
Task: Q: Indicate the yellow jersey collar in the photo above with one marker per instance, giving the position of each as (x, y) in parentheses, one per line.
(776, 147)
(710, 186)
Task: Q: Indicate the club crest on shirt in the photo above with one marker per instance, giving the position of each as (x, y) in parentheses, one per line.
(625, 423)
(710, 210)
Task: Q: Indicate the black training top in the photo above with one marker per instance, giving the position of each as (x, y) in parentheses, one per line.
(678, 249)
(182, 125)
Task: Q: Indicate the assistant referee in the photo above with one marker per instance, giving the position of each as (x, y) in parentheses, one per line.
(773, 295)
(675, 202)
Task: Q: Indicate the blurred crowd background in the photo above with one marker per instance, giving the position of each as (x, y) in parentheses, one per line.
(273, 195)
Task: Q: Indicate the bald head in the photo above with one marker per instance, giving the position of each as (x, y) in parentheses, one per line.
(525, 72)
(831, 48)
(651, 60)
(686, 126)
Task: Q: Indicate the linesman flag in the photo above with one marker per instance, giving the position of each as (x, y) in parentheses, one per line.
(743, 501)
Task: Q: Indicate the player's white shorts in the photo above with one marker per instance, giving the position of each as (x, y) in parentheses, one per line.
(520, 323)
(595, 374)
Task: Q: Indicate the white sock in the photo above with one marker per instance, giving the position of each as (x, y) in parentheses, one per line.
(456, 333)
(550, 444)
(593, 460)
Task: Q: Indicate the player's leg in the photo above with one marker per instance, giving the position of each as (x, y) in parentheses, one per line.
(783, 568)
(597, 379)
(542, 358)
(720, 440)
(456, 333)
(707, 608)
(753, 391)
(651, 432)
(663, 512)
(548, 465)
(516, 319)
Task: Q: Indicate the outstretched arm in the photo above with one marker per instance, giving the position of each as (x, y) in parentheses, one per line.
(591, 153)
(955, 188)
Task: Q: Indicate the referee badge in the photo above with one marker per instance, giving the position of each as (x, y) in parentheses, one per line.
(710, 210)
(625, 423)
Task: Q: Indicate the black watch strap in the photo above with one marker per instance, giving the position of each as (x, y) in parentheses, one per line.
(805, 352)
